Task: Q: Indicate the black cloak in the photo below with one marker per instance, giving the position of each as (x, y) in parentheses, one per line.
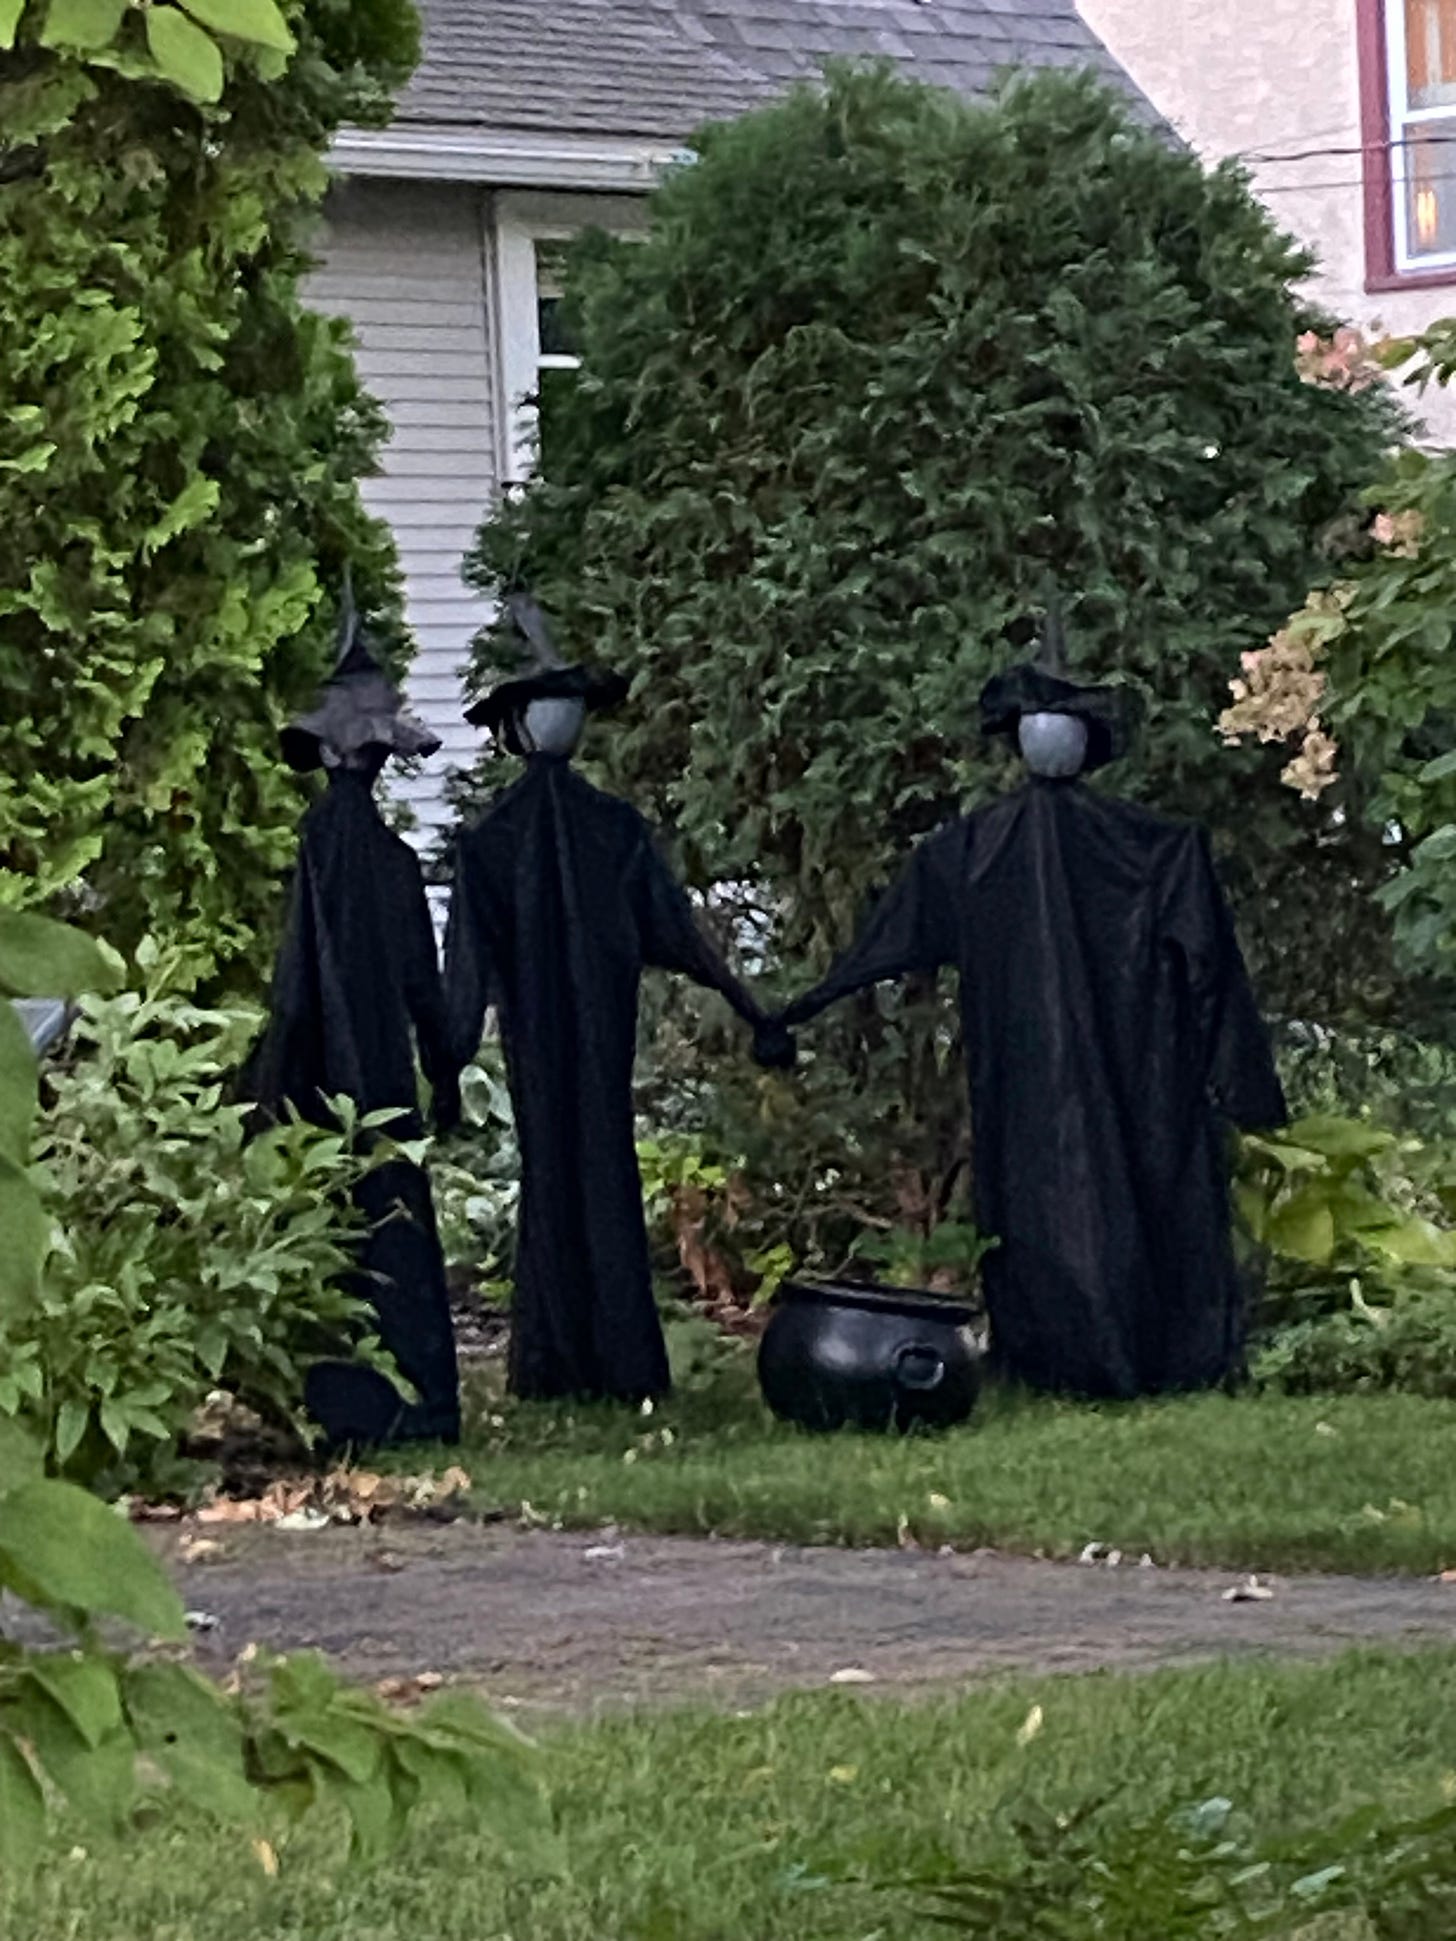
(560, 899)
(356, 970)
(1109, 1029)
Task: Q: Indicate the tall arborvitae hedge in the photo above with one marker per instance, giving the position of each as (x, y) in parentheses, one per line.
(180, 448)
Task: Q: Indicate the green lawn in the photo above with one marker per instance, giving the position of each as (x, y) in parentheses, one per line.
(1355, 1483)
(693, 1827)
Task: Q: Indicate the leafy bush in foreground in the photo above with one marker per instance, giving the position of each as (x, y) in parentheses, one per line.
(185, 1258)
(104, 1731)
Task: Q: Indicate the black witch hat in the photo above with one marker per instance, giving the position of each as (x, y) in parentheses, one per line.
(547, 678)
(359, 708)
(1040, 686)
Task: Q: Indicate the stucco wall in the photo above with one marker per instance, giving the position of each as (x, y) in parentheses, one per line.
(1281, 77)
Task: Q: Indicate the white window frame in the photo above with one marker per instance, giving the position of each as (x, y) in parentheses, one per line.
(522, 222)
(1404, 121)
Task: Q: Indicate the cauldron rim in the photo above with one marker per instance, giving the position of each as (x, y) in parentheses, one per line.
(910, 1303)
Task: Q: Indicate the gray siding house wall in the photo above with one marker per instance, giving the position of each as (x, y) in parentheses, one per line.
(526, 121)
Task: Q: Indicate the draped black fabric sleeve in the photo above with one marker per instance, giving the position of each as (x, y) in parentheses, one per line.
(672, 939)
(468, 979)
(910, 930)
(1238, 1063)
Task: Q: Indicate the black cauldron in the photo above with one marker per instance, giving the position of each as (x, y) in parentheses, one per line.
(842, 1355)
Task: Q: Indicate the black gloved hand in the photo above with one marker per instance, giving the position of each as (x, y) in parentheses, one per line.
(774, 1046)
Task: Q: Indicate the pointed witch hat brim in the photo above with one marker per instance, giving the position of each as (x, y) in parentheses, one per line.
(1028, 689)
(498, 711)
(546, 677)
(359, 708)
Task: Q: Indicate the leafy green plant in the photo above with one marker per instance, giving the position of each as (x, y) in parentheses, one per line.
(184, 1257)
(475, 1177)
(181, 445)
(182, 45)
(1382, 1330)
(1360, 1258)
(38, 958)
(1205, 1876)
(105, 1731)
(1315, 1194)
(947, 1257)
(1375, 660)
(88, 1725)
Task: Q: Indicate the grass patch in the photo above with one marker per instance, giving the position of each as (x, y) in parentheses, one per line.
(693, 1827)
(1351, 1483)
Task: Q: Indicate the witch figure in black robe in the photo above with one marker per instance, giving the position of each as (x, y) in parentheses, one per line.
(1110, 1033)
(560, 900)
(357, 985)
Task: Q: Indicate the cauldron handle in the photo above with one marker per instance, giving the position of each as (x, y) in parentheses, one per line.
(919, 1368)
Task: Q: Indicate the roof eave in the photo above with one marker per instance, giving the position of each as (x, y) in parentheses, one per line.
(505, 158)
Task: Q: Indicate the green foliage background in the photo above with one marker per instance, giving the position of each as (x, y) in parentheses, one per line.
(180, 449)
(887, 369)
(1390, 658)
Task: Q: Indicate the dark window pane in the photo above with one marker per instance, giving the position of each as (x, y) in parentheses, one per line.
(556, 398)
(555, 338)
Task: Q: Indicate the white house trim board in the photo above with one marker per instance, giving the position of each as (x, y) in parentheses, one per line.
(521, 222)
(507, 159)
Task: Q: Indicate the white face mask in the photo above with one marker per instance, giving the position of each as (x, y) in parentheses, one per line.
(552, 727)
(1053, 745)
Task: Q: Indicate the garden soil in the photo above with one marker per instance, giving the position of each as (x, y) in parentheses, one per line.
(576, 1624)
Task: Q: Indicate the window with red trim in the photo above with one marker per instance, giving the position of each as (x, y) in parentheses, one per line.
(1408, 114)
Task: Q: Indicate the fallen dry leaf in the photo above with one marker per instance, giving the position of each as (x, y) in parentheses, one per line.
(852, 1675)
(200, 1550)
(267, 1858)
(1030, 1726)
(303, 1519)
(1250, 1591)
(229, 1510)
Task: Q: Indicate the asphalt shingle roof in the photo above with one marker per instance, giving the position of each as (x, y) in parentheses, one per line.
(658, 69)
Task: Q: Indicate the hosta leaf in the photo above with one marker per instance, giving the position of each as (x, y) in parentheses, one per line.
(62, 1547)
(1304, 1229)
(185, 56)
(1338, 1138)
(82, 24)
(10, 12)
(26, 1227)
(100, 1781)
(22, 1809)
(258, 21)
(17, 1085)
(370, 1806)
(84, 1687)
(194, 1735)
(1414, 1243)
(42, 958)
(21, 1457)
